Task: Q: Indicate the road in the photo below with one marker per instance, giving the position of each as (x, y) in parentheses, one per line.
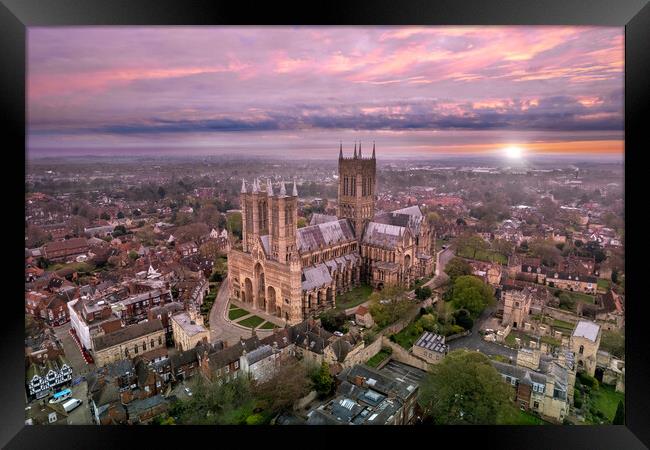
(474, 341)
(223, 329)
(72, 353)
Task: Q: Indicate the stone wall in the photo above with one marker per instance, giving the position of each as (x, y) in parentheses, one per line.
(404, 356)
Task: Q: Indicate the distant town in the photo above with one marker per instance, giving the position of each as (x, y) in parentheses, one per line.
(351, 290)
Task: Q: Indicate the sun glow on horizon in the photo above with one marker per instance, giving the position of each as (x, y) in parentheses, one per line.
(513, 152)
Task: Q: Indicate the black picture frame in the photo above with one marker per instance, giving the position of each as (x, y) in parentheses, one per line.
(634, 15)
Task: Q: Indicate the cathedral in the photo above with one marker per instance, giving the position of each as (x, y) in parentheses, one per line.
(295, 273)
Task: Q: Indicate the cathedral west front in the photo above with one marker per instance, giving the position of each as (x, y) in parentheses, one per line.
(295, 273)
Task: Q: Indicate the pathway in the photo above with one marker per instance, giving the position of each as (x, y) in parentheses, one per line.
(221, 328)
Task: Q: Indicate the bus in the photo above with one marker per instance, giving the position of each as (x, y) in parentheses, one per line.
(61, 396)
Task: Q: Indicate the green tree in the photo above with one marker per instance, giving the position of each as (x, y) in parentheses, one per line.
(464, 388)
(120, 215)
(322, 380)
(423, 292)
(214, 404)
(289, 383)
(619, 418)
(133, 255)
(119, 230)
(471, 293)
(457, 267)
(302, 222)
(105, 216)
(234, 224)
(388, 305)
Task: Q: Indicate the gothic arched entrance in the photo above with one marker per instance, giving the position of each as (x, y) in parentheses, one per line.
(248, 291)
(260, 297)
(270, 303)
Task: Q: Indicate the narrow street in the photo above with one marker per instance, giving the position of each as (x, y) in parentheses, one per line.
(474, 340)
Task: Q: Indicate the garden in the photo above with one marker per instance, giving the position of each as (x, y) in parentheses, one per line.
(355, 297)
(599, 404)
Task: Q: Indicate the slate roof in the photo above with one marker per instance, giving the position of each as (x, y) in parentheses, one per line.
(383, 235)
(322, 235)
(315, 276)
(317, 219)
(139, 406)
(127, 333)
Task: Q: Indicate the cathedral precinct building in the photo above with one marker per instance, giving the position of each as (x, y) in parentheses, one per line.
(295, 273)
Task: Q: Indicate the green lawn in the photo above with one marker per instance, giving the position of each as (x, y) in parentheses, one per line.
(483, 255)
(603, 284)
(236, 313)
(251, 322)
(355, 297)
(563, 325)
(407, 337)
(526, 418)
(525, 339)
(379, 357)
(605, 399)
(233, 306)
(268, 326)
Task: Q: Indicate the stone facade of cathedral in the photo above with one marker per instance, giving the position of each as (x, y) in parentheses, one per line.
(295, 273)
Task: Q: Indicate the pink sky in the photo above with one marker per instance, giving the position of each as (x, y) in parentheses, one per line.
(413, 90)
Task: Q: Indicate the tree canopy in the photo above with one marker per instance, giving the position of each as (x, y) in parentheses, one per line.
(471, 293)
(457, 267)
(464, 388)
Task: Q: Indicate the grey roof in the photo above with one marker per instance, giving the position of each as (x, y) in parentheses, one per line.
(266, 244)
(432, 341)
(259, 354)
(189, 326)
(317, 219)
(315, 276)
(383, 235)
(410, 210)
(138, 406)
(127, 334)
(519, 373)
(316, 236)
(588, 330)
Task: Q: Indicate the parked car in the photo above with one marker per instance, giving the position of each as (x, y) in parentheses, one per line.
(338, 333)
(188, 391)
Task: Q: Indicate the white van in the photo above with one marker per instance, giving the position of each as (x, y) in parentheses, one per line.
(71, 404)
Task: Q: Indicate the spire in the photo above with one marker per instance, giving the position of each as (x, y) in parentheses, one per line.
(341, 151)
(359, 149)
(295, 189)
(355, 149)
(243, 186)
(269, 187)
(256, 185)
(283, 190)
(373, 149)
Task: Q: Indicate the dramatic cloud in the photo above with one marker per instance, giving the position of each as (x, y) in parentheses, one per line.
(405, 87)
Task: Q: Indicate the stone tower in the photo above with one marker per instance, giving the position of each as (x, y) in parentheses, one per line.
(283, 225)
(356, 193)
(254, 205)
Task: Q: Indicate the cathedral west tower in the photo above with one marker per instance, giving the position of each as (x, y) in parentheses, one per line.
(356, 193)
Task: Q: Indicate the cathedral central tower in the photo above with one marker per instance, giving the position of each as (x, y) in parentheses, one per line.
(356, 193)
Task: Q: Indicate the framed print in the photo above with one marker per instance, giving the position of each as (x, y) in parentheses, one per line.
(410, 216)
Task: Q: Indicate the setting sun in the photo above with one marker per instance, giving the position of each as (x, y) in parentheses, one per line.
(513, 152)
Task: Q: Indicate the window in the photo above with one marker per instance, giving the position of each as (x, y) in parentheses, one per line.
(144, 346)
(536, 405)
(236, 364)
(135, 348)
(159, 340)
(226, 369)
(582, 349)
